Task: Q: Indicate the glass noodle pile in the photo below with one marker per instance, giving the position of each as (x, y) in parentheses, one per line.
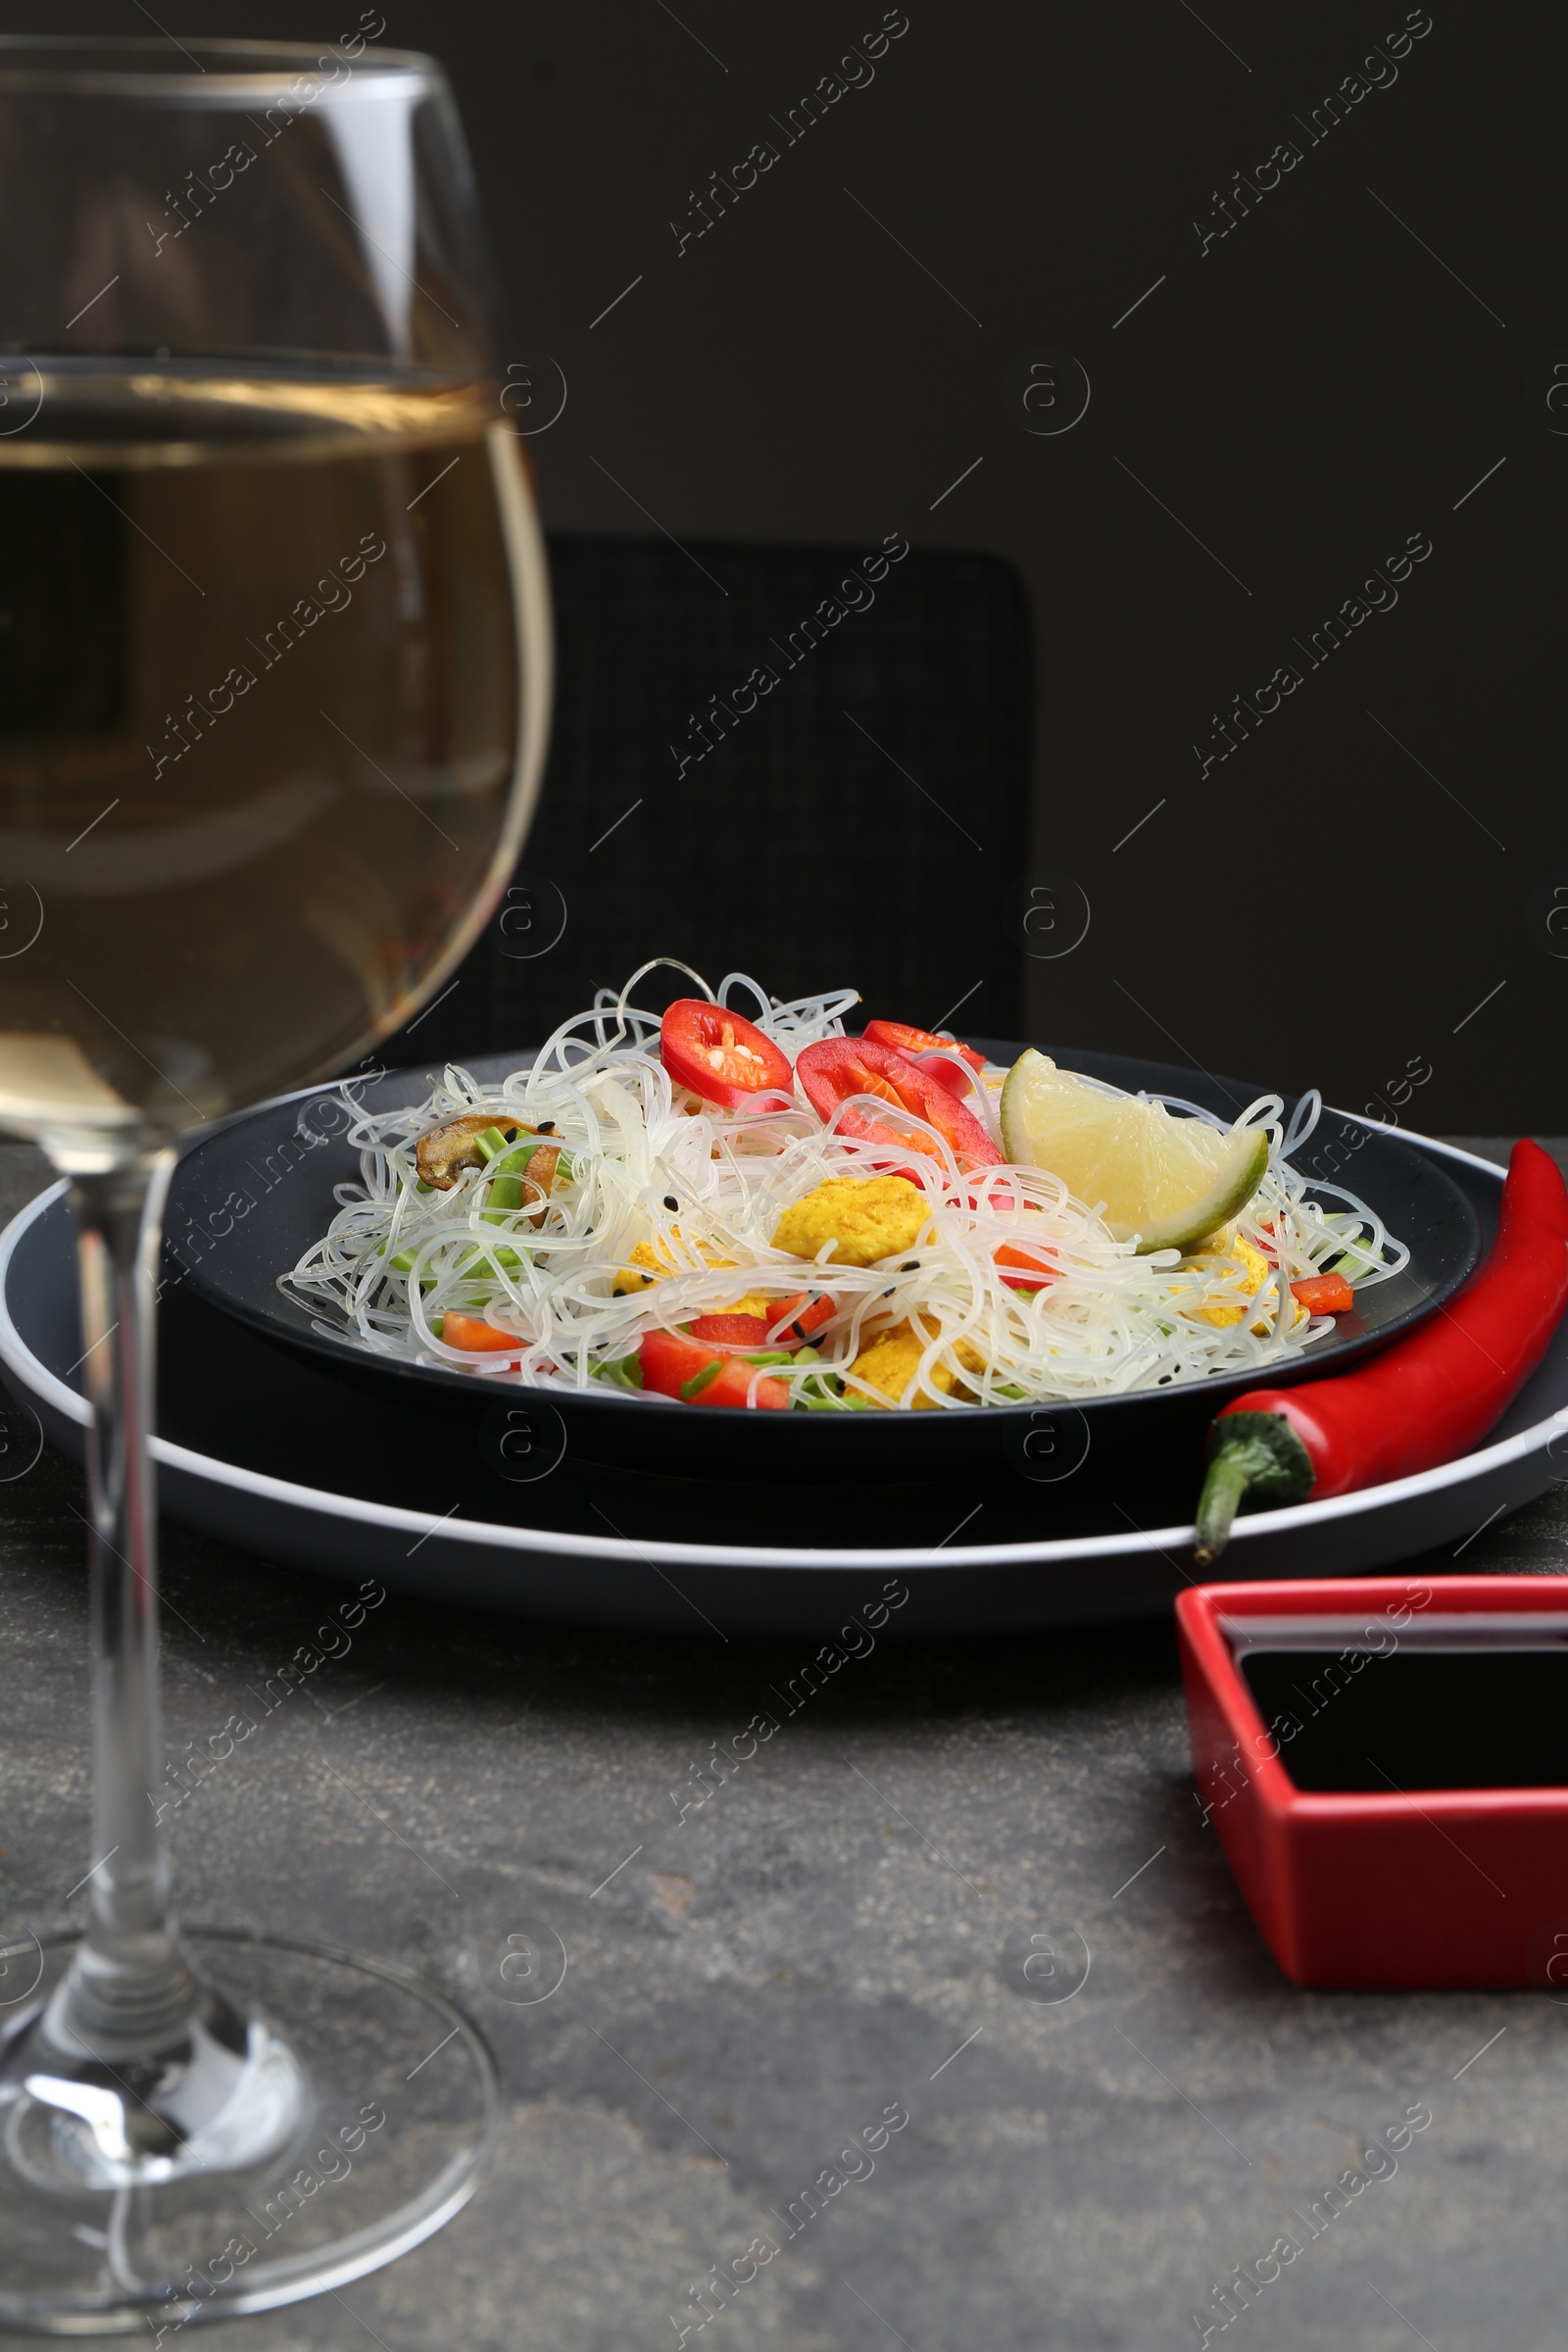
(644, 1161)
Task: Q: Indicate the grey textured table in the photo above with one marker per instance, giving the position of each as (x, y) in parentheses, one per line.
(833, 1935)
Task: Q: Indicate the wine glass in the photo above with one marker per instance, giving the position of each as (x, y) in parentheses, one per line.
(275, 678)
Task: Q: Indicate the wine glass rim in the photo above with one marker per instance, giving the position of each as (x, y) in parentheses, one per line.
(110, 64)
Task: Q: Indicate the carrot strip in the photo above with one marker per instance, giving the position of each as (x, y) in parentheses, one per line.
(478, 1337)
(1324, 1294)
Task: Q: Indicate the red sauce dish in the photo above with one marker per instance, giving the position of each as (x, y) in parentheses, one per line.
(1385, 1761)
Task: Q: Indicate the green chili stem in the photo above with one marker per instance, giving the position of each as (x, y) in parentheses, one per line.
(1253, 1458)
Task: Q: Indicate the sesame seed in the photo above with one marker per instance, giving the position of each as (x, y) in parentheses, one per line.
(670, 1200)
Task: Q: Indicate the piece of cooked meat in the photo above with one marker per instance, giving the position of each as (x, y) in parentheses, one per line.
(1258, 1271)
(648, 1265)
(865, 1218)
(755, 1302)
(893, 1358)
(891, 1362)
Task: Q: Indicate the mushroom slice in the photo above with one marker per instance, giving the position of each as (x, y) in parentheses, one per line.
(447, 1150)
(541, 1175)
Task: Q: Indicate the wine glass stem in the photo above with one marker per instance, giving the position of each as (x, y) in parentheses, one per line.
(129, 1986)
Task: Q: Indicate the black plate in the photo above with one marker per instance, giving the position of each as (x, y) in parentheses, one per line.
(624, 1547)
(249, 1200)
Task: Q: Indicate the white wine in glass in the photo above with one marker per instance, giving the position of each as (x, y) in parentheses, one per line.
(274, 677)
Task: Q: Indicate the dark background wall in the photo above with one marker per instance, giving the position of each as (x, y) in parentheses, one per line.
(1362, 884)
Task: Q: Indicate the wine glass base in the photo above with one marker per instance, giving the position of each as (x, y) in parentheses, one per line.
(219, 2093)
(358, 2123)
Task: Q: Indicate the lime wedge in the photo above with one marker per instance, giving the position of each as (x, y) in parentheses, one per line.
(1164, 1181)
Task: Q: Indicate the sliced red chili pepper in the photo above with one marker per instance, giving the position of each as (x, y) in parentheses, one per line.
(906, 1040)
(1425, 1398)
(732, 1331)
(676, 1365)
(786, 1325)
(479, 1337)
(793, 1320)
(1033, 1270)
(1324, 1294)
(725, 1059)
(842, 1066)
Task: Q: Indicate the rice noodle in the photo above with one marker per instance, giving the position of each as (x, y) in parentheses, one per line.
(1110, 1321)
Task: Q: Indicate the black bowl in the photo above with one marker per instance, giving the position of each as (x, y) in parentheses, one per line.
(248, 1198)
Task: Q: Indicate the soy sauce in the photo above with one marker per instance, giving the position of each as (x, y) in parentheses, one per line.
(1414, 1717)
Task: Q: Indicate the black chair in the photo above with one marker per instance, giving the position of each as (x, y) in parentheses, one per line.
(808, 763)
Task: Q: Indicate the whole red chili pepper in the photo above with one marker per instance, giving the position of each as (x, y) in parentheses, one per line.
(1425, 1399)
